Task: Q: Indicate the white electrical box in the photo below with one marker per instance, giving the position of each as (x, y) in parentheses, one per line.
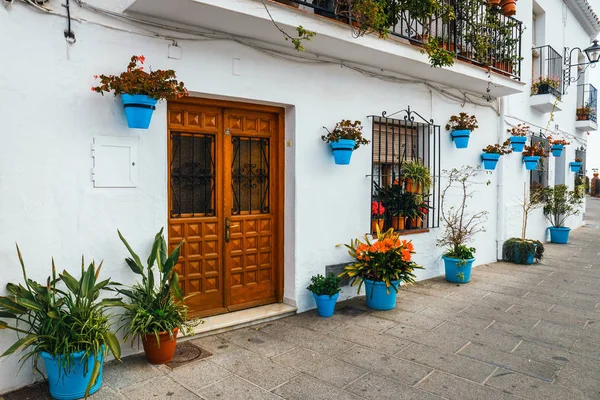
(115, 162)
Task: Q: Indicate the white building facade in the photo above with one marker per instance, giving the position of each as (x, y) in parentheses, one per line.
(72, 173)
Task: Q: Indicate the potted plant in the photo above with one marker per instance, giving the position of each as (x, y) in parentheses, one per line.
(576, 165)
(532, 154)
(491, 154)
(460, 225)
(559, 204)
(155, 311)
(509, 7)
(546, 85)
(344, 139)
(584, 113)
(461, 126)
(377, 216)
(382, 265)
(140, 90)
(326, 291)
(518, 137)
(557, 146)
(416, 176)
(63, 321)
(392, 198)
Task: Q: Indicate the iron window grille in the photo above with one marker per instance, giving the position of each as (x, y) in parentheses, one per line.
(587, 102)
(538, 178)
(395, 143)
(580, 175)
(547, 71)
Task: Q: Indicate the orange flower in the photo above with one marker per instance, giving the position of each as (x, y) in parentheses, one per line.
(405, 255)
(141, 59)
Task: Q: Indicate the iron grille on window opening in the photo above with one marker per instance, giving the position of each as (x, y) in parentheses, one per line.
(398, 145)
(539, 176)
(580, 178)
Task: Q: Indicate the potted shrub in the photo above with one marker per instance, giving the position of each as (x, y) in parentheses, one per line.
(557, 146)
(155, 311)
(532, 154)
(62, 321)
(382, 265)
(344, 139)
(584, 113)
(377, 216)
(392, 199)
(559, 204)
(576, 165)
(326, 291)
(417, 177)
(460, 225)
(140, 90)
(546, 85)
(491, 154)
(461, 126)
(518, 137)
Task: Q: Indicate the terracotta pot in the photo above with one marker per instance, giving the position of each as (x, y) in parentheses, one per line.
(494, 3)
(375, 223)
(504, 66)
(415, 223)
(412, 186)
(399, 223)
(447, 46)
(595, 174)
(509, 7)
(162, 354)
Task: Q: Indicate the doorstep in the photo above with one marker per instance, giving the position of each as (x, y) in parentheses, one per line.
(241, 319)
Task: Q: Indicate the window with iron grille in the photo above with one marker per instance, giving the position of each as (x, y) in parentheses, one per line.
(402, 146)
(580, 180)
(539, 176)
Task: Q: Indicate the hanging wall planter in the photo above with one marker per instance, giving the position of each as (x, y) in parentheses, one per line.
(344, 139)
(461, 126)
(491, 154)
(138, 110)
(557, 150)
(490, 160)
(461, 138)
(517, 143)
(342, 151)
(531, 162)
(575, 166)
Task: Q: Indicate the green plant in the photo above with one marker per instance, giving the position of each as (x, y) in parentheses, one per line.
(418, 172)
(519, 130)
(518, 250)
(461, 252)
(501, 149)
(551, 81)
(61, 320)
(386, 260)
(159, 84)
(156, 305)
(321, 285)
(438, 55)
(560, 203)
(346, 129)
(368, 16)
(462, 121)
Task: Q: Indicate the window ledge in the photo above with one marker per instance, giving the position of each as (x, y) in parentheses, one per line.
(412, 231)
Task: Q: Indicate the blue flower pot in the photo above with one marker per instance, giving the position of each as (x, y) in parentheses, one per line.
(457, 273)
(138, 110)
(559, 235)
(518, 143)
(377, 296)
(325, 304)
(490, 160)
(461, 138)
(575, 166)
(557, 149)
(531, 162)
(529, 260)
(342, 151)
(71, 384)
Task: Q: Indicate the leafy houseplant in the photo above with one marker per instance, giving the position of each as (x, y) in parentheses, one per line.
(326, 291)
(532, 154)
(461, 126)
(382, 265)
(62, 321)
(585, 112)
(155, 311)
(416, 176)
(518, 137)
(460, 225)
(491, 154)
(140, 90)
(546, 85)
(377, 216)
(559, 204)
(344, 139)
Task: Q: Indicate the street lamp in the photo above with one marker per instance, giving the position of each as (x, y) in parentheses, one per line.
(593, 56)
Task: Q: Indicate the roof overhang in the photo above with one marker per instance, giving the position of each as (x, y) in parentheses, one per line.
(586, 16)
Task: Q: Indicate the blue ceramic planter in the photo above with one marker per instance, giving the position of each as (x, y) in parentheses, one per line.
(71, 384)
(530, 162)
(518, 143)
(461, 138)
(325, 304)
(378, 297)
(490, 160)
(575, 166)
(557, 149)
(342, 151)
(458, 273)
(529, 260)
(559, 235)
(138, 110)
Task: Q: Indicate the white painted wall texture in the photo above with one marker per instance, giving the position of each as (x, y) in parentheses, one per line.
(49, 118)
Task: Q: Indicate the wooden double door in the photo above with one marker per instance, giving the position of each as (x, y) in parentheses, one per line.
(225, 200)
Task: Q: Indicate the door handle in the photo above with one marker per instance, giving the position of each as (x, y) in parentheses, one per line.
(227, 230)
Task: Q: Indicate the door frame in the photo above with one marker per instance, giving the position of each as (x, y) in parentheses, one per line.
(279, 240)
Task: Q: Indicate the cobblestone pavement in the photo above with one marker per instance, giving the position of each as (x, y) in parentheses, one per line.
(514, 332)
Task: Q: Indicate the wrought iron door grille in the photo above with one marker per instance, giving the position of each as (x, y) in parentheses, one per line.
(192, 171)
(250, 175)
(397, 142)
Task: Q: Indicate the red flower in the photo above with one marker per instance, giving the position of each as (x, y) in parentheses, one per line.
(377, 208)
(93, 89)
(95, 76)
(141, 59)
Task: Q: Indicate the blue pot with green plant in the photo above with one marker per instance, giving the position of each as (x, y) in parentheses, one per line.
(457, 270)
(560, 203)
(461, 126)
(557, 149)
(326, 291)
(575, 165)
(491, 154)
(518, 137)
(523, 251)
(344, 139)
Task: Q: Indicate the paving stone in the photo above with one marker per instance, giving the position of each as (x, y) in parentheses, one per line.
(133, 369)
(382, 342)
(310, 320)
(404, 331)
(159, 388)
(258, 342)
(385, 365)
(499, 315)
(377, 387)
(105, 393)
(422, 319)
(533, 334)
(215, 344)
(468, 294)
(234, 388)
(327, 369)
(531, 388)
(451, 363)
(455, 388)
(306, 387)
(372, 322)
(537, 369)
(543, 352)
(552, 316)
(581, 373)
(494, 339)
(196, 375)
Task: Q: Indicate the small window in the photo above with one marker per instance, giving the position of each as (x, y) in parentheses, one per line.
(539, 176)
(581, 183)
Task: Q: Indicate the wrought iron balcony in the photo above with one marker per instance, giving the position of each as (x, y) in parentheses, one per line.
(478, 34)
(547, 72)
(587, 102)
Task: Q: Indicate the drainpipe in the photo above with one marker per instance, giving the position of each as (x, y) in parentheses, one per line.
(501, 204)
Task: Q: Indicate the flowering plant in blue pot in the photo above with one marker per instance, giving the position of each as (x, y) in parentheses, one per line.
(491, 154)
(518, 137)
(382, 265)
(576, 165)
(461, 126)
(532, 154)
(344, 139)
(559, 204)
(557, 146)
(326, 291)
(140, 90)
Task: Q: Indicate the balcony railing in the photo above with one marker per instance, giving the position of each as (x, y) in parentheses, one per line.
(587, 102)
(547, 71)
(478, 34)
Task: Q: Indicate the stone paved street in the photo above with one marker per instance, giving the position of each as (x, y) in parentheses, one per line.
(514, 332)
